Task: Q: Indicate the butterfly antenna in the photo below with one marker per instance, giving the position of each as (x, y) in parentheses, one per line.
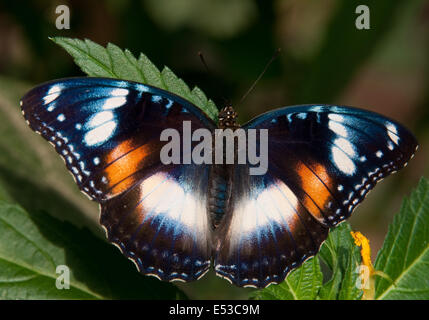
(274, 57)
(203, 61)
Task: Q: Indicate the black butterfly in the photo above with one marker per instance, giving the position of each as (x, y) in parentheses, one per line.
(174, 220)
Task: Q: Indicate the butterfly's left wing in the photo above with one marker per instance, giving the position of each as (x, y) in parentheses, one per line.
(108, 133)
(322, 161)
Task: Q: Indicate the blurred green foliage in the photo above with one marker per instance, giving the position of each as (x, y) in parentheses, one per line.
(324, 59)
(32, 246)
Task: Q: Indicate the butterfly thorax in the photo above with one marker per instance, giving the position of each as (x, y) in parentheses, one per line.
(228, 118)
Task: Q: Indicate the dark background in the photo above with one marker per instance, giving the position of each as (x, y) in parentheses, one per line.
(324, 59)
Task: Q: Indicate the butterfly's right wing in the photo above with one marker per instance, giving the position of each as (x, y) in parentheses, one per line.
(321, 163)
(108, 133)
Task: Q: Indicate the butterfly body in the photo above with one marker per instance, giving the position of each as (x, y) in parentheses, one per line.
(219, 189)
(175, 220)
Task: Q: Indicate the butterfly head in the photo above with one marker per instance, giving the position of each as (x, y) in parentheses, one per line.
(228, 118)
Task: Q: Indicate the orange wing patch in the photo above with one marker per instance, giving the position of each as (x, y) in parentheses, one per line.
(124, 161)
(315, 183)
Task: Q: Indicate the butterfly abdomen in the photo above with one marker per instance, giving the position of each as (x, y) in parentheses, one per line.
(218, 193)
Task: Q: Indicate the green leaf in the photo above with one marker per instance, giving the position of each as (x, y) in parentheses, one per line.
(330, 289)
(32, 246)
(113, 62)
(348, 289)
(301, 284)
(404, 256)
(342, 256)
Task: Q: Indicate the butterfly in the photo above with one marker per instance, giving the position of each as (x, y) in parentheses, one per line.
(176, 220)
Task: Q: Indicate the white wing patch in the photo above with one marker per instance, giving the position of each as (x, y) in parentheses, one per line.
(342, 161)
(276, 205)
(164, 196)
